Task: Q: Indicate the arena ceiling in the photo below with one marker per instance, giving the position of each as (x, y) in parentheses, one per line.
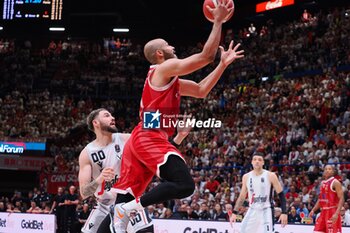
(180, 20)
(181, 17)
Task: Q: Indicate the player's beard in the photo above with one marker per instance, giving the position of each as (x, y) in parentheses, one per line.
(108, 128)
(168, 55)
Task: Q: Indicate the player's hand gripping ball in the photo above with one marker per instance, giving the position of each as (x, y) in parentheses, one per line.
(212, 4)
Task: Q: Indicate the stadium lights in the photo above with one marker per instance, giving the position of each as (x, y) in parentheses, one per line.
(57, 29)
(1, 28)
(120, 29)
(264, 78)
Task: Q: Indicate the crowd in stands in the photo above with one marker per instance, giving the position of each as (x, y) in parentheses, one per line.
(299, 116)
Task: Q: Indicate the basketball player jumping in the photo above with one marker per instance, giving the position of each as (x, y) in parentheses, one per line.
(330, 200)
(99, 164)
(259, 184)
(148, 152)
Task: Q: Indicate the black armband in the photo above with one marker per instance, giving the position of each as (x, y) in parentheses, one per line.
(174, 143)
(283, 202)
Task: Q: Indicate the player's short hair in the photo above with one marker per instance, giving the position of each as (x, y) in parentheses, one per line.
(335, 171)
(92, 116)
(258, 153)
(151, 48)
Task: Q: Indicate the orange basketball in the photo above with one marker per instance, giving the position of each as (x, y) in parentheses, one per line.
(212, 4)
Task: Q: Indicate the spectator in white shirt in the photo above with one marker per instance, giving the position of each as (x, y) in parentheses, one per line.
(293, 155)
(305, 194)
(345, 217)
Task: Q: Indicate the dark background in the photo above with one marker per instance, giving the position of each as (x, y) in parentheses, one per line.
(179, 22)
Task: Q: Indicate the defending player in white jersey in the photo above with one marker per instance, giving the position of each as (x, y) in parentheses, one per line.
(259, 184)
(99, 164)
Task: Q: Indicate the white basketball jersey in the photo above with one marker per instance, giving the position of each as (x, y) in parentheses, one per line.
(102, 157)
(259, 190)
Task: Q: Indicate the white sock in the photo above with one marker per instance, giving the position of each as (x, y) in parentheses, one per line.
(133, 205)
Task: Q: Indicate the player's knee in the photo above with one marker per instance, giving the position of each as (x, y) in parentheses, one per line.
(187, 188)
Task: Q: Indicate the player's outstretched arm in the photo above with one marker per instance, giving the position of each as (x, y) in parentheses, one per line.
(180, 67)
(202, 89)
(88, 186)
(279, 190)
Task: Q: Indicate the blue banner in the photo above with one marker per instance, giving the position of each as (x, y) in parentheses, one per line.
(22, 148)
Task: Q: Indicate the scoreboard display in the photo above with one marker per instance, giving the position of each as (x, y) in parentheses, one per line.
(47, 10)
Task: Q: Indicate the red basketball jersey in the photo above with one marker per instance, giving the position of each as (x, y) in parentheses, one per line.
(165, 99)
(328, 197)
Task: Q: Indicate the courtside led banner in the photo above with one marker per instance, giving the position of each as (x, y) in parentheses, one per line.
(273, 4)
(22, 148)
(191, 226)
(27, 223)
(46, 223)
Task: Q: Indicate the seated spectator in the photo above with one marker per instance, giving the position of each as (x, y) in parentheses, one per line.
(218, 214)
(2, 207)
(180, 213)
(34, 209)
(19, 206)
(305, 194)
(47, 209)
(292, 193)
(191, 213)
(277, 214)
(10, 208)
(204, 212)
(82, 216)
(151, 212)
(168, 213)
(161, 210)
(302, 209)
(293, 217)
(212, 185)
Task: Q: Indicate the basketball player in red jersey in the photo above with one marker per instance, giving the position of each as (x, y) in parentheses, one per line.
(330, 200)
(148, 151)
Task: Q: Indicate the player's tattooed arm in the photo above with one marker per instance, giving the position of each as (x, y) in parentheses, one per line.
(239, 203)
(87, 185)
(89, 189)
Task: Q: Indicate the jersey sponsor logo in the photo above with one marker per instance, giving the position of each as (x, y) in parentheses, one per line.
(151, 120)
(109, 185)
(252, 200)
(258, 199)
(262, 179)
